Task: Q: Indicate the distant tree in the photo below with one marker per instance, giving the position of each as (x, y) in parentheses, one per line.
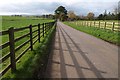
(116, 11)
(115, 15)
(105, 15)
(71, 15)
(100, 17)
(61, 13)
(90, 16)
(109, 16)
(118, 16)
(78, 18)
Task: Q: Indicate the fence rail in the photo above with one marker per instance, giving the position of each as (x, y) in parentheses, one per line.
(114, 26)
(41, 29)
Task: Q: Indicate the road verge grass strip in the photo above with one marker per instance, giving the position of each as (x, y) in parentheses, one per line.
(33, 63)
(107, 35)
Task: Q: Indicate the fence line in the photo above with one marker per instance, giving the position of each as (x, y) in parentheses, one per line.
(11, 43)
(114, 26)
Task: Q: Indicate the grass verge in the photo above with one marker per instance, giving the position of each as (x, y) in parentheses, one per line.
(107, 35)
(32, 64)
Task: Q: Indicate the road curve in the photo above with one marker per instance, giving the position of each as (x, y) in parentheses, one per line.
(79, 55)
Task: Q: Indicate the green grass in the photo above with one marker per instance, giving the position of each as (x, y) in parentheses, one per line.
(18, 22)
(8, 21)
(101, 20)
(32, 62)
(106, 35)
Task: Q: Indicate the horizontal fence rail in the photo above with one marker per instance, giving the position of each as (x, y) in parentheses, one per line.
(41, 30)
(114, 26)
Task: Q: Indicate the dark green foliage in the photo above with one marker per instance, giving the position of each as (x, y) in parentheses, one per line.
(61, 13)
(60, 10)
(109, 16)
(100, 17)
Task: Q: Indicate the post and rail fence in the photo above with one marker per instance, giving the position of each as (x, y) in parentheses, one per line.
(42, 29)
(114, 26)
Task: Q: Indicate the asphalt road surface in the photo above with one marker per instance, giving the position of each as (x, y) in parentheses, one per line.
(79, 55)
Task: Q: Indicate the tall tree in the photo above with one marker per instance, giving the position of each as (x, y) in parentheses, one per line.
(61, 13)
(90, 15)
(105, 14)
(71, 15)
(100, 17)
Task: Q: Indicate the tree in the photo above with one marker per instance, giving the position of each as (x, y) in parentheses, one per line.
(71, 15)
(100, 17)
(61, 13)
(90, 15)
(116, 11)
(105, 15)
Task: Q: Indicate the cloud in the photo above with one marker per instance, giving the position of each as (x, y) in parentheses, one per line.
(31, 7)
(39, 8)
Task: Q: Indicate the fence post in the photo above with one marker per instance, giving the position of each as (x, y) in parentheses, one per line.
(90, 23)
(49, 26)
(105, 26)
(113, 26)
(31, 41)
(39, 32)
(94, 23)
(43, 29)
(12, 49)
(99, 24)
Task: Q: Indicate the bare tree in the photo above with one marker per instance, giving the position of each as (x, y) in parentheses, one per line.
(90, 15)
(71, 15)
(116, 11)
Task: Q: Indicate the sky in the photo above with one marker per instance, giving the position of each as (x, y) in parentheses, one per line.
(40, 7)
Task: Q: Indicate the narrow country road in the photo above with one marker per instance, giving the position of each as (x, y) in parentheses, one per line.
(78, 55)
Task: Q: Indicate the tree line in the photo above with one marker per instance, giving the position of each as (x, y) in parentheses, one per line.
(62, 14)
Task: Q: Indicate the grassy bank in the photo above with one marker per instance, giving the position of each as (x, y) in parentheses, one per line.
(17, 22)
(23, 65)
(32, 65)
(107, 35)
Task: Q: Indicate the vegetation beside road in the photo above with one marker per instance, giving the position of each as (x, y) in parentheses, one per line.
(107, 35)
(25, 66)
(33, 64)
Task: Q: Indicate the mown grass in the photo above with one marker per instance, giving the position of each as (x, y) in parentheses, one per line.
(33, 64)
(18, 22)
(107, 35)
(100, 20)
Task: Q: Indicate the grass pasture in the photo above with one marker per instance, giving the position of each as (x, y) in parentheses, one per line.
(18, 22)
(105, 34)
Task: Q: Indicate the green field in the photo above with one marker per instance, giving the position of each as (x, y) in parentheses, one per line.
(18, 22)
(107, 35)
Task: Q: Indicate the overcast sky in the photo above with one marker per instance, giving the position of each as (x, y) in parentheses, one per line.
(39, 7)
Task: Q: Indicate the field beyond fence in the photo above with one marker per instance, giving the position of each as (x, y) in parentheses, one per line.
(33, 35)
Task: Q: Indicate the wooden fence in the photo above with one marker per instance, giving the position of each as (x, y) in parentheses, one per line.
(42, 29)
(114, 26)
